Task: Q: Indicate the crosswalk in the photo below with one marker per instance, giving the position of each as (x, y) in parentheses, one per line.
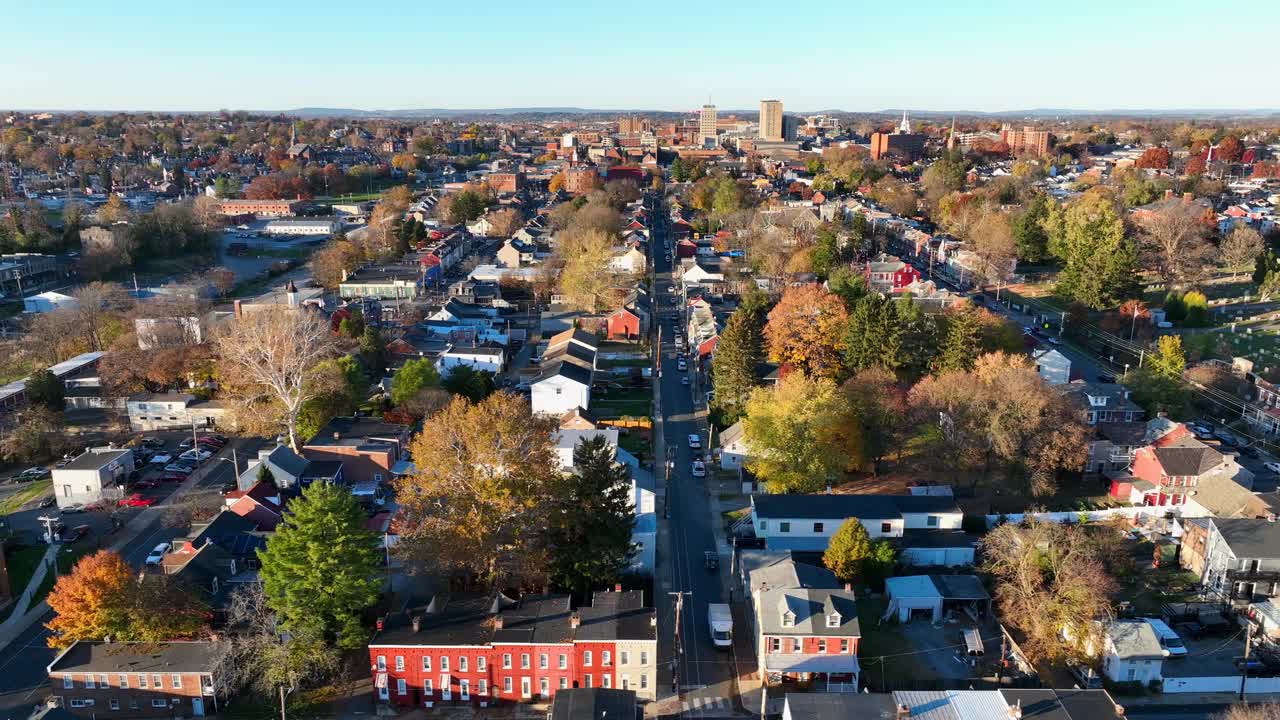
(706, 706)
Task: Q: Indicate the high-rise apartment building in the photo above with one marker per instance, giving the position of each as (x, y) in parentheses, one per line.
(707, 124)
(1028, 140)
(771, 120)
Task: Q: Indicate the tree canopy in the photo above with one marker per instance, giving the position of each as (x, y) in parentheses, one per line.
(590, 530)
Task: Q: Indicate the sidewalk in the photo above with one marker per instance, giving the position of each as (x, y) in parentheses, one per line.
(18, 624)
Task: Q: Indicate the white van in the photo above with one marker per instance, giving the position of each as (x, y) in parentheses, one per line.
(1169, 640)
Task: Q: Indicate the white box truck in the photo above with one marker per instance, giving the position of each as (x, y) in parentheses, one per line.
(720, 618)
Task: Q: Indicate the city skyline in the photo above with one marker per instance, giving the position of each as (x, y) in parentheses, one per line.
(930, 56)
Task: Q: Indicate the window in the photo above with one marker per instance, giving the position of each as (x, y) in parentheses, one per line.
(526, 687)
(115, 704)
(775, 645)
(444, 663)
(68, 683)
(142, 681)
(788, 619)
(1132, 674)
(764, 524)
(428, 689)
(817, 527)
(133, 703)
(156, 682)
(886, 528)
(124, 682)
(822, 646)
(564, 661)
(382, 664)
(464, 687)
(606, 680)
(784, 527)
(482, 664)
(88, 682)
(102, 681)
(564, 683)
(626, 682)
(506, 685)
(844, 646)
(175, 681)
(586, 681)
(933, 520)
(426, 663)
(399, 663)
(483, 687)
(462, 663)
(400, 687)
(524, 661)
(586, 658)
(624, 657)
(544, 687)
(77, 703)
(605, 658)
(158, 703)
(644, 658)
(795, 645)
(506, 661)
(833, 620)
(544, 661)
(644, 681)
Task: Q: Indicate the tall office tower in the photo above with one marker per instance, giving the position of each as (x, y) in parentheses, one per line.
(707, 124)
(771, 120)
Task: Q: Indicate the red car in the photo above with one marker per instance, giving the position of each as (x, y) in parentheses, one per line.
(172, 477)
(137, 500)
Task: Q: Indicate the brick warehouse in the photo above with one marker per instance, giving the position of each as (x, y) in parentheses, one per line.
(482, 649)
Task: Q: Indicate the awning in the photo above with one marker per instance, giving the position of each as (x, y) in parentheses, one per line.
(380, 680)
(799, 663)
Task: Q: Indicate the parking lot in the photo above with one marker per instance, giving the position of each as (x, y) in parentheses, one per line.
(1208, 656)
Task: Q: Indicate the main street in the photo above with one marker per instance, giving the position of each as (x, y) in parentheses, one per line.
(23, 679)
(703, 672)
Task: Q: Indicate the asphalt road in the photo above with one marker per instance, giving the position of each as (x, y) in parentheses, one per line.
(23, 678)
(703, 673)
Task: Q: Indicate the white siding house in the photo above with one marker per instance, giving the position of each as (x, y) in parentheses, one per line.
(560, 389)
(733, 447)
(93, 477)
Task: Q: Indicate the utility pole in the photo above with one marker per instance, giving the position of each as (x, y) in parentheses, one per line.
(1244, 668)
(48, 524)
(675, 663)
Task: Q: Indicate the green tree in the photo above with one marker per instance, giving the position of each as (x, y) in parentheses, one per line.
(474, 385)
(321, 568)
(738, 354)
(1266, 264)
(265, 475)
(849, 284)
(881, 563)
(826, 253)
(789, 428)
(848, 550)
(1169, 360)
(373, 348)
(590, 533)
(1029, 235)
(411, 378)
(1175, 311)
(1197, 306)
(1100, 265)
(874, 335)
(45, 388)
(960, 349)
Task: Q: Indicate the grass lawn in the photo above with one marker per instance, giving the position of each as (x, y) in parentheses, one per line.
(635, 443)
(68, 556)
(629, 402)
(26, 494)
(1149, 588)
(22, 565)
(625, 362)
(884, 639)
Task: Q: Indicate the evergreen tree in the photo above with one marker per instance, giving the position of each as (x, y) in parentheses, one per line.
(874, 337)
(45, 388)
(919, 338)
(1266, 264)
(1029, 235)
(474, 385)
(848, 550)
(320, 570)
(1100, 265)
(738, 353)
(374, 351)
(849, 284)
(826, 254)
(590, 531)
(960, 348)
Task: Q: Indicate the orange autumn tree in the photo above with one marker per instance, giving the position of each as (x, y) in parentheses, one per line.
(806, 330)
(92, 602)
(102, 598)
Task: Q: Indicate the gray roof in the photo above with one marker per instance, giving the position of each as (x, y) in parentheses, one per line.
(766, 569)
(810, 607)
(731, 433)
(1249, 537)
(863, 507)
(954, 704)
(574, 372)
(1038, 704)
(1187, 456)
(594, 704)
(1134, 639)
(841, 706)
(960, 587)
(617, 616)
(168, 657)
(91, 460)
(288, 461)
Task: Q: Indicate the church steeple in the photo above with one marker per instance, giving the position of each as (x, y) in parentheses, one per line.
(904, 127)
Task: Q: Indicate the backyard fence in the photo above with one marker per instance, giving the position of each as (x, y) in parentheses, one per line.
(1221, 684)
(1075, 516)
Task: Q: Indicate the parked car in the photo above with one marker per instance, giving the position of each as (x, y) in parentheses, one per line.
(695, 441)
(48, 501)
(197, 456)
(75, 534)
(72, 508)
(158, 553)
(684, 380)
(146, 484)
(173, 476)
(681, 364)
(152, 443)
(137, 500)
(179, 467)
(699, 469)
(32, 474)
(1273, 466)
(161, 459)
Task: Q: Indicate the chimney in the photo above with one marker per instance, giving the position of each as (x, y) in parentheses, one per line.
(1015, 711)
(1271, 517)
(617, 587)
(381, 623)
(904, 711)
(417, 623)
(653, 621)
(574, 620)
(337, 435)
(1168, 193)
(237, 310)
(848, 587)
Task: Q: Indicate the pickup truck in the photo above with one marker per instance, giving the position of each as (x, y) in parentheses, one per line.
(720, 620)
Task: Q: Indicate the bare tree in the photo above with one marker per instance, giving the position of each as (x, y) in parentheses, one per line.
(993, 243)
(276, 349)
(1174, 241)
(1254, 711)
(1240, 248)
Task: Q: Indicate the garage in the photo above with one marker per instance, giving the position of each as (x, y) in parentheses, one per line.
(931, 597)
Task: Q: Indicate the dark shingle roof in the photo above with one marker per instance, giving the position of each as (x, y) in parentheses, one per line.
(842, 706)
(169, 657)
(594, 704)
(863, 507)
(1187, 456)
(567, 369)
(1249, 537)
(617, 616)
(536, 620)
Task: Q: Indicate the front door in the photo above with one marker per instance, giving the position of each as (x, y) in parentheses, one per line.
(383, 693)
(197, 707)
(446, 692)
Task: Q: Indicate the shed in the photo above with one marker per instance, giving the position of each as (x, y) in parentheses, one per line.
(933, 594)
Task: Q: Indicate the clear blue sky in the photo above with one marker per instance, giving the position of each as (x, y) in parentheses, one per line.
(654, 54)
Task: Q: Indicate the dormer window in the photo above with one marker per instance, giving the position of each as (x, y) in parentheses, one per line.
(788, 618)
(833, 620)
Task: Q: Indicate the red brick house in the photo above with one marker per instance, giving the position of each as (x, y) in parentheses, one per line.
(886, 273)
(1169, 471)
(95, 679)
(808, 632)
(622, 324)
(486, 650)
(686, 248)
(367, 447)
